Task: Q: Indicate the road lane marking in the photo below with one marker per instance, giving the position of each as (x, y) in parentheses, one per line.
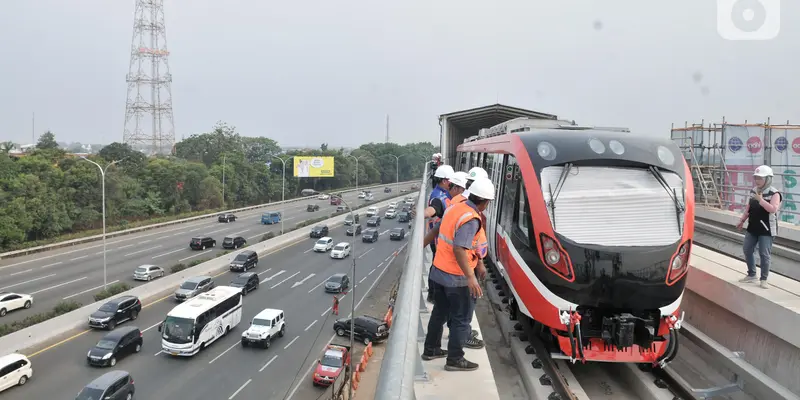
(151, 327)
(306, 252)
(310, 325)
(223, 353)
(373, 270)
(89, 290)
(126, 246)
(290, 343)
(267, 279)
(20, 272)
(167, 253)
(276, 285)
(50, 265)
(384, 232)
(264, 272)
(78, 258)
(28, 281)
(363, 279)
(145, 241)
(318, 285)
(240, 232)
(142, 251)
(268, 363)
(59, 285)
(159, 352)
(240, 389)
(324, 313)
(365, 253)
(198, 254)
(218, 230)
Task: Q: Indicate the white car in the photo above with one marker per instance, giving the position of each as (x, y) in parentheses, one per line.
(341, 250)
(369, 197)
(17, 370)
(372, 211)
(147, 272)
(323, 197)
(264, 327)
(323, 244)
(14, 301)
(362, 195)
(393, 204)
(390, 213)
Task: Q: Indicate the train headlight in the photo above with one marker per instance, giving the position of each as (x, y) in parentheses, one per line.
(665, 155)
(680, 263)
(677, 264)
(546, 150)
(616, 147)
(597, 146)
(553, 257)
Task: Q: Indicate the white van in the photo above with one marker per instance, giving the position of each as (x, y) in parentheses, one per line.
(15, 369)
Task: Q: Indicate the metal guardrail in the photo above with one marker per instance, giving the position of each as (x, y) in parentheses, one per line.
(401, 362)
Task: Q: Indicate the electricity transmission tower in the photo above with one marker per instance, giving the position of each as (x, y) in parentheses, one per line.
(149, 124)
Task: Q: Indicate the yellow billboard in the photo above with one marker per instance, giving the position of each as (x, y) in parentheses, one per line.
(313, 167)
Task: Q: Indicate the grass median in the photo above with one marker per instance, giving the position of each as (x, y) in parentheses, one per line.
(60, 309)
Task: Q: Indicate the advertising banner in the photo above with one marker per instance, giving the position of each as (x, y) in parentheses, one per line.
(744, 151)
(313, 167)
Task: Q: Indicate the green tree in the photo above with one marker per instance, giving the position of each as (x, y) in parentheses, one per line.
(47, 141)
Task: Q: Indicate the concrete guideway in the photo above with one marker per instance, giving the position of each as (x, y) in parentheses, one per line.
(226, 370)
(76, 273)
(278, 204)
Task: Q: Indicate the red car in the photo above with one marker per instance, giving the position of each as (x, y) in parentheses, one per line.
(336, 200)
(330, 366)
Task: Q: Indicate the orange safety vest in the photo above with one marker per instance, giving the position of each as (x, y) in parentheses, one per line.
(483, 243)
(454, 217)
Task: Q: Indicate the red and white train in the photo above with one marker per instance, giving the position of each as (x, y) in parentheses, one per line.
(591, 229)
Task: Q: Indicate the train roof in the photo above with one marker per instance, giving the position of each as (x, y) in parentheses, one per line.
(474, 119)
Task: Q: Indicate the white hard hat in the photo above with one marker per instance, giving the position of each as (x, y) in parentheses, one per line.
(483, 188)
(444, 172)
(763, 171)
(459, 179)
(477, 172)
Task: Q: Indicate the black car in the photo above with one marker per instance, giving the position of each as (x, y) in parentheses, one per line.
(233, 242)
(387, 190)
(351, 219)
(247, 281)
(113, 385)
(227, 217)
(115, 312)
(337, 283)
(115, 345)
(374, 221)
(312, 207)
(365, 328)
(353, 230)
(403, 216)
(370, 235)
(397, 234)
(318, 231)
(202, 242)
(245, 260)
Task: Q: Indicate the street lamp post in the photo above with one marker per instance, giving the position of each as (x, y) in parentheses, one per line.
(283, 187)
(103, 179)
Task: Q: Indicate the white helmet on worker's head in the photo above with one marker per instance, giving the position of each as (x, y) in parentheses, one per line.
(459, 179)
(482, 188)
(436, 156)
(477, 172)
(444, 172)
(763, 171)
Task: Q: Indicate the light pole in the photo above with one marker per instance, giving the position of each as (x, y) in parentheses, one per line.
(223, 181)
(283, 187)
(103, 179)
(396, 171)
(355, 158)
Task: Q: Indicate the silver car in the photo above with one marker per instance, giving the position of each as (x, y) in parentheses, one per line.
(147, 272)
(193, 286)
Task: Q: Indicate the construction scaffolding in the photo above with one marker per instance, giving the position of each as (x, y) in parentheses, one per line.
(723, 156)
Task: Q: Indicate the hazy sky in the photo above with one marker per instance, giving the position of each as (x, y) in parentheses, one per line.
(312, 71)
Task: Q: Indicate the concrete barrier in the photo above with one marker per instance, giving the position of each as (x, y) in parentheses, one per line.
(58, 327)
(73, 242)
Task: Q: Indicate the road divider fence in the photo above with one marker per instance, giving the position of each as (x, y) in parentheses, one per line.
(69, 317)
(94, 238)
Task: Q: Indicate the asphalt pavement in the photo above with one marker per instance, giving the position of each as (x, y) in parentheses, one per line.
(291, 280)
(76, 273)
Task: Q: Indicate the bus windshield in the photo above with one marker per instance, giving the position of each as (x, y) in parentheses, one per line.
(178, 330)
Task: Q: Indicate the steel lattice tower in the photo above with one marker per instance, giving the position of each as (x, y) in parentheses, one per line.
(149, 124)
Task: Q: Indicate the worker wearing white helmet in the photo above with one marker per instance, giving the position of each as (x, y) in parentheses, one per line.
(474, 173)
(439, 198)
(761, 215)
(457, 268)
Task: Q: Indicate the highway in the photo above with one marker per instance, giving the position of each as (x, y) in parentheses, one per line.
(291, 280)
(76, 273)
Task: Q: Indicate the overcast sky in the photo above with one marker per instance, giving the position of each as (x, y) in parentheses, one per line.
(308, 72)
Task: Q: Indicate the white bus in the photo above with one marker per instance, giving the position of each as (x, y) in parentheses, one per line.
(195, 324)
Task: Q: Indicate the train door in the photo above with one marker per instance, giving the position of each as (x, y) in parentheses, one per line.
(495, 170)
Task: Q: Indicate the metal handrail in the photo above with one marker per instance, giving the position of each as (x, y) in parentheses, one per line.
(396, 380)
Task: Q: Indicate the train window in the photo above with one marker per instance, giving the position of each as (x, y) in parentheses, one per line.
(509, 196)
(463, 162)
(473, 160)
(483, 161)
(523, 210)
(489, 165)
